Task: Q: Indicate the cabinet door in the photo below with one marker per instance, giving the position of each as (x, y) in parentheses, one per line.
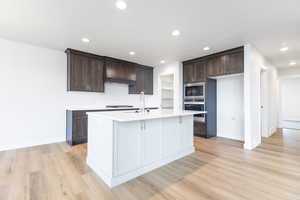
(130, 73)
(171, 136)
(148, 80)
(114, 70)
(186, 131)
(144, 80)
(128, 151)
(216, 66)
(85, 72)
(79, 130)
(138, 86)
(199, 129)
(235, 63)
(96, 75)
(200, 71)
(79, 67)
(151, 141)
(188, 73)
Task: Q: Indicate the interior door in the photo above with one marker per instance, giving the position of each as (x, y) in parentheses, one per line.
(263, 104)
(151, 141)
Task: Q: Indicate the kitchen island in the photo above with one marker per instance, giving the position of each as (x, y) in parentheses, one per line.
(124, 145)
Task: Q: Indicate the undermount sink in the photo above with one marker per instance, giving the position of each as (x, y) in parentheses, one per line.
(137, 111)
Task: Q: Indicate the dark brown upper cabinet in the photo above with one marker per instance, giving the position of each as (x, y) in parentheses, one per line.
(144, 80)
(200, 71)
(188, 73)
(85, 71)
(229, 62)
(194, 72)
(148, 82)
(218, 64)
(88, 72)
(120, 71)
(235, 63)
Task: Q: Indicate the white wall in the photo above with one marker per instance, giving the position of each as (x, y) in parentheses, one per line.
(273, 100)
(176, 69)
(254, 64)
(290, 103)
(289, 97)
(291, 72)
(230, 107)
(269, 100)
(33, 95)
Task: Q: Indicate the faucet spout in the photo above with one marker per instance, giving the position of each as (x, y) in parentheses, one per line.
(142, 102)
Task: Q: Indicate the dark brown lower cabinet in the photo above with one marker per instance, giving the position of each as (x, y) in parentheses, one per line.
(199, 129)
(77, 124)
(76, 127)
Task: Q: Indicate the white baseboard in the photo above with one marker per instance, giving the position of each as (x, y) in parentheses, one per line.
(113, 181)
(31, 144)
(290, 124)
(249, 146)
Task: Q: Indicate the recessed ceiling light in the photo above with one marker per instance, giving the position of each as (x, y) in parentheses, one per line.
(85, 40)
(283, 49)
(206, 48)
(121, 4)
(176, 33)
(162, 61)
(132, 53)
(292, 63)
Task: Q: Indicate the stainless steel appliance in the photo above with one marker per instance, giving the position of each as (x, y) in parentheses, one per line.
(196, 106)
(194, 99)
(194, 91)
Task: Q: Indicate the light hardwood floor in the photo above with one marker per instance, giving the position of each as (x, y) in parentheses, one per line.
(220, 169)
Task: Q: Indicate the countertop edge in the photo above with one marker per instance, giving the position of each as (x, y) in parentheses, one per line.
(139, 118)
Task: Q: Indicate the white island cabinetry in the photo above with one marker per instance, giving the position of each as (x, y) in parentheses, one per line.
(121, 149)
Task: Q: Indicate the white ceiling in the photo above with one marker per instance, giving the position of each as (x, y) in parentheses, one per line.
(146, 25)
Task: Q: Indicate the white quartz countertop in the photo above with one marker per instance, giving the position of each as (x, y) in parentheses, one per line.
(125, 116)
(100, 108)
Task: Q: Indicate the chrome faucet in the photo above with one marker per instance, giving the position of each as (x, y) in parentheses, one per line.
(142, 102)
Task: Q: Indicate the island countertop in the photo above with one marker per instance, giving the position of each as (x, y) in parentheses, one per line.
(125, 116)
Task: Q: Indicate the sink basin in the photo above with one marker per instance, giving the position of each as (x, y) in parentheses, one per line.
(137, 111)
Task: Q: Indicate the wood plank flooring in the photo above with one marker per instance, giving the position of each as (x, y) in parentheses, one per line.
(220, 169)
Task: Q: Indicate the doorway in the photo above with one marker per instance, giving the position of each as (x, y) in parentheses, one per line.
(167, 91)
(264, 103)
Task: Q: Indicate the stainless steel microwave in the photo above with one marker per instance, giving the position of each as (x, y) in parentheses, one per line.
(194, 90)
